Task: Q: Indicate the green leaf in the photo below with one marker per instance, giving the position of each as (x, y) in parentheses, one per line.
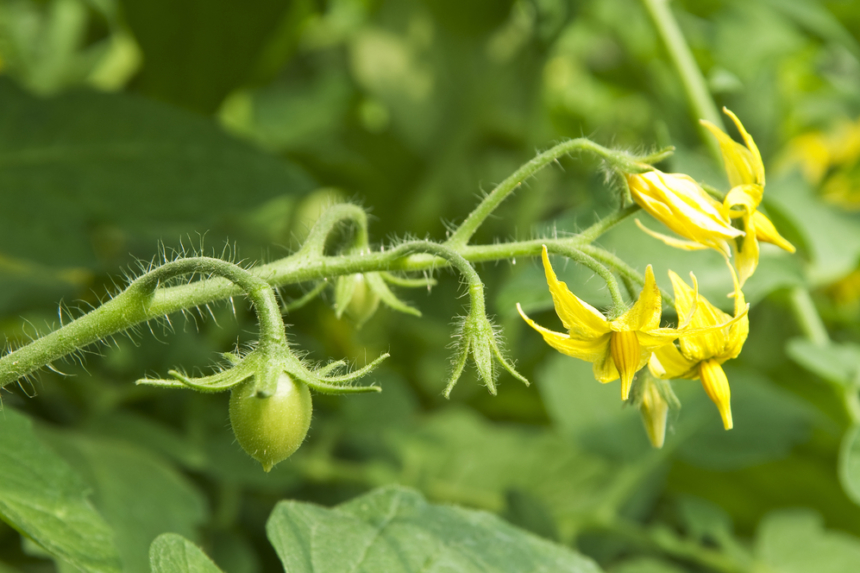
(394, 529)
(139, 494)
(458, 457)
(588, 412)
(88, 177)
(768, 422)
(646, 565)
(795, 541)
(849, 463)
(197, 70)
(172, 553)
(44, 499)
(837, 363)
(829, 236)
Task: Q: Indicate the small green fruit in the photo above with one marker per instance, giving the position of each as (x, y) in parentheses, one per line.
(270, 429)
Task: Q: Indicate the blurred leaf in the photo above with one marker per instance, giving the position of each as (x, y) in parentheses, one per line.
(196, 52)
(88, 177)
(138, 493)
(150, 434)
(455, 456)
(836, 363)
(795, 541)
(849, 463)
(394, 529)
(817, 19)
(43, 498)
(590, 413)
(172, 553)
(768, 422)
(829, 237)
(646, 565)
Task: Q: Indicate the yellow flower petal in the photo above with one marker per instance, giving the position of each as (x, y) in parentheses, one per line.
(717, 387)
(580, 318)
(679, 244)
(591, 350)
(743, 164)
(757, 164)
(667, 362)
(748, 253)
(765, 231)
(645, 314)
(709, 331)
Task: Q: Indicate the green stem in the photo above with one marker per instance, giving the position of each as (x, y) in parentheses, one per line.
(118, 314)
(618, 303)
(668, 543)
(807, 317)
(140, 303)
(329, 220)
(600, 227)
(461, 236)
(622, 268)
(695, 88)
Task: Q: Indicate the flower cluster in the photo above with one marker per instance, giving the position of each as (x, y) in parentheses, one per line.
(706, 337)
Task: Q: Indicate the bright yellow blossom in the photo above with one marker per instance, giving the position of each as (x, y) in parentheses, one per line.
(746, 177)
(700, 355)
(618, 348)
(681, 204)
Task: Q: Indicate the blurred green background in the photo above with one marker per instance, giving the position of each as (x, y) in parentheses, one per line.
(138, 129)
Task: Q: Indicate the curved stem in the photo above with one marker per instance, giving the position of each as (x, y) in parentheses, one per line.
(135, 305)
(593, 232)
(456, 260)
(329, 221)
(122, 313)
(623, 269)
(695, 88)
(618, 304)
(476, 218)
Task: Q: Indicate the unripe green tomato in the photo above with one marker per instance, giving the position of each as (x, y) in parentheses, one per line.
(270, 429)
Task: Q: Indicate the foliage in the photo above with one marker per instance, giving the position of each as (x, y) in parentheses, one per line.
(136, 133)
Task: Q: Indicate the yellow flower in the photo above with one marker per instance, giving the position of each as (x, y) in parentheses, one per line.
(681, 204)
(701, 354)
(746, 176)
(617, 348)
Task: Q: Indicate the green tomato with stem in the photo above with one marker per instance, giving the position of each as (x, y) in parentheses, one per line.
(270, 429)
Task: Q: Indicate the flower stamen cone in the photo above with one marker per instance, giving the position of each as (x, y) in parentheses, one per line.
(625, 351)
(717, 387)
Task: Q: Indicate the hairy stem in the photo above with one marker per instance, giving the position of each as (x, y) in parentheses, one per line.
(477, 217)
(139, 303)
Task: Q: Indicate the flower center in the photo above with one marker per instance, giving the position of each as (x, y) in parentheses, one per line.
(717, 386)
(625, 352)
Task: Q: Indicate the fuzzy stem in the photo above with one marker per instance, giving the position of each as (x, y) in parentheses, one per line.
(618, 304)
(135, 305)
(476, 218)
(626, 271)
(122, 313)
(329, 220)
